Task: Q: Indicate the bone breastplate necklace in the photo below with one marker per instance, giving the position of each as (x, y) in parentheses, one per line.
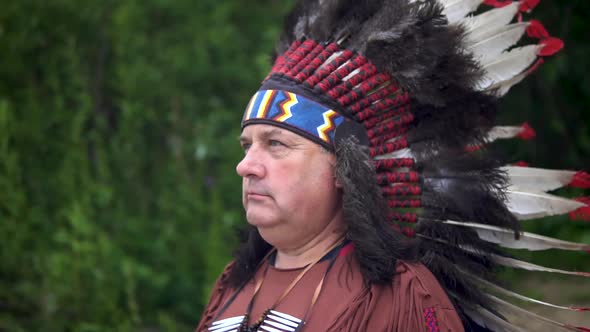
(274, 318)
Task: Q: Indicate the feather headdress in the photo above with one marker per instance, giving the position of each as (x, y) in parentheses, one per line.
(421, 79)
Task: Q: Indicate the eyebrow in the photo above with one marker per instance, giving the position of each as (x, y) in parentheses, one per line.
(266, 134)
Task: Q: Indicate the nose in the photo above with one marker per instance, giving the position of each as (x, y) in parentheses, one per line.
(251, 165)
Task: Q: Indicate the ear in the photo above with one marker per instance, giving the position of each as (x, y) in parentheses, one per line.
(337, 183)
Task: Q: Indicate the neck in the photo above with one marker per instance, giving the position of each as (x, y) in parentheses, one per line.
(311, 250)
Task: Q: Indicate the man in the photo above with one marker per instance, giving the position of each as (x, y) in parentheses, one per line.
(293, 197)
(358, 181)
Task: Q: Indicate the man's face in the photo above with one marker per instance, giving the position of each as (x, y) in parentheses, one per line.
(288, 189)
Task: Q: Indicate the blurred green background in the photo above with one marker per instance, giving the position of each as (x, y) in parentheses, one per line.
(118, 145)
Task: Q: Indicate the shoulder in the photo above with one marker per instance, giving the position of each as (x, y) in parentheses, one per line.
(425, 305)
(412, 301)
(411, 282)
(219, 293)
(418, 279)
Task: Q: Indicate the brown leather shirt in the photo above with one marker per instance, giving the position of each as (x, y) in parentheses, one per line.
(413, 301)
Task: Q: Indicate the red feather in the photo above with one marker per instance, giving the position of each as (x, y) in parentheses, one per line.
(581, 180)
(527, 132)
(582, 213)
(498, 3)
(521, 164)
(537, 30)
(528, 5)
(551, 46)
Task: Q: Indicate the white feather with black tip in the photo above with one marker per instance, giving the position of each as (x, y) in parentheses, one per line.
(508, 239)
(513, 310)
(487, 49)
(537, 179)
(531, 205)
(503, 132)
(508, 65)
(489, 320)
(518, 264)
(477, 25)
(456, 10)
(499, 89)
(523, 297)
(403, 153)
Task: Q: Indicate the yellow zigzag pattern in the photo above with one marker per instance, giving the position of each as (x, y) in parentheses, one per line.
(327, 126)
(287, 107)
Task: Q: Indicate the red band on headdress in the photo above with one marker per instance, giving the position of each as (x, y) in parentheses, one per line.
(394, 163)
(393, 177)
(403, 189)
(407, 217)
(409, 232)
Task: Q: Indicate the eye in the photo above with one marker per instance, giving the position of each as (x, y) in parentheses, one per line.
(275, 143)
(245, 146)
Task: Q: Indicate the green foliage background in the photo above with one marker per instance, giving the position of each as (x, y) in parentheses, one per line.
(118, 127)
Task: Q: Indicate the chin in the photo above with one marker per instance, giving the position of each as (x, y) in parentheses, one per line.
(272, 236)
(262, 220)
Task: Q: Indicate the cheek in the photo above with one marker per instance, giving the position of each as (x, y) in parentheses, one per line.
(310, 188)
(243, 195)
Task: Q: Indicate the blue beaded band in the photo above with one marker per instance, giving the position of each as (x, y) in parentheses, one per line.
(295, 113)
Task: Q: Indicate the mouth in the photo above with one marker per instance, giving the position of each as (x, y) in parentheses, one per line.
(255, 195)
